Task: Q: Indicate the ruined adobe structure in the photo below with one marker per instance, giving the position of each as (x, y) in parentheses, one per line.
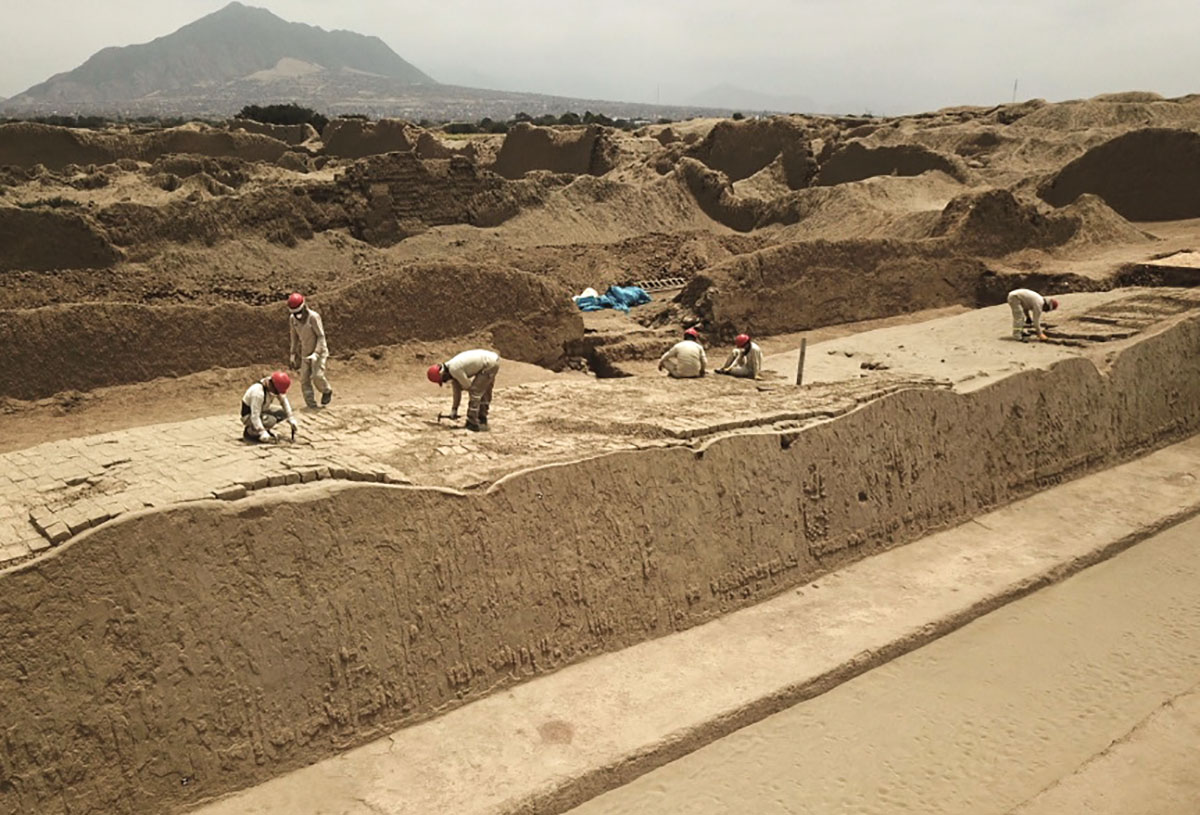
(166, 641)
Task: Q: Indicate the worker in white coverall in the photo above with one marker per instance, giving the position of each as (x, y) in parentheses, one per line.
(686, 359)
(1027, 309)
(258, 414)
(309, 351)
(475, 372)
(745, 360)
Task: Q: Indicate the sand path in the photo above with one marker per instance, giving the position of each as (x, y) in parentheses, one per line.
(987, 718)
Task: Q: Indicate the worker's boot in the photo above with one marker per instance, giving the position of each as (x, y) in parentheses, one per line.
(326, 397)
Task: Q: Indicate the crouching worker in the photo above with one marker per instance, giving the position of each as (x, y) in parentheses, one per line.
(686, 359)
(472, 371)
(258, 415)
(1027, 309)
(745, 360)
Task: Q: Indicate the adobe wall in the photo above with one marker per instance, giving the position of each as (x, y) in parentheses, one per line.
(181, 654)
(90, 345)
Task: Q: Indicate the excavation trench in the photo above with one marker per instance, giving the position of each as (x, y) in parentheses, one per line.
(179, 653)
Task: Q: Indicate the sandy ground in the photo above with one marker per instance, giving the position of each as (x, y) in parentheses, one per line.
(986, 718)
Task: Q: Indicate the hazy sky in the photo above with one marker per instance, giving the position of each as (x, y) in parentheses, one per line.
(850, 56)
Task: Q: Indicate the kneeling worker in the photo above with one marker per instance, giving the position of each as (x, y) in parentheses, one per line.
(258, 417)
(686, 359)
(473, 371)
(745, 360)
(1027, 309)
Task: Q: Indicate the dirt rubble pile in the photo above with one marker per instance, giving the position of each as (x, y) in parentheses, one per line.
(155, 693)
(56, 348)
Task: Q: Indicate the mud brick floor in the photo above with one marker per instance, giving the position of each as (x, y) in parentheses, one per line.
(51, 492)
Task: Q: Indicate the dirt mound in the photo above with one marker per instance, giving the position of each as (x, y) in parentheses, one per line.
(579, 151)
(1129, 96)
(56, 348)
(206, 141)
(803, 285)
(1119, 113)
(994, 223)
(1100, 224)
(1146, 175)
(741, 149)
(26, 144)
(288, 134)
(280, 215)
(232, 172)
(355, 138)
(52, 238)
(856, 161)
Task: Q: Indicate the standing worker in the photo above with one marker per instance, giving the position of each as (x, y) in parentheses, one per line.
(745, 360)
(473, 371)
(309, 350)
(686, 359)
(1027, 309)
(258, 418)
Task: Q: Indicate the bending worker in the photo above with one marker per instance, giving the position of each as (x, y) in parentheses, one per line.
(745, 360)
(308, 341)
(1027, 309)
(472, 371)
(258, 417)
(686, 359)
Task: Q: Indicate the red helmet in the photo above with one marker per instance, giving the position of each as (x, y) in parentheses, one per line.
(692, 334)
(435, 374)
(281, 382)
(1053, 304)
(296, 301)
(741, 340)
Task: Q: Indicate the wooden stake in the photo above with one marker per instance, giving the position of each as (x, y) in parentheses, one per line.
(800, 362)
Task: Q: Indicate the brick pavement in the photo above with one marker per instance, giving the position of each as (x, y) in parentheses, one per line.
(52, 492)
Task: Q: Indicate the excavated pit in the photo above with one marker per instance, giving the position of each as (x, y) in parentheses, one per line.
(204, 645)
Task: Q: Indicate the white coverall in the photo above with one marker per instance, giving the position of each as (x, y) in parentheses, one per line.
(309, 353)
(258, 417)
(475, 372)
(1027, 307)
(685, 360)
(745, 362)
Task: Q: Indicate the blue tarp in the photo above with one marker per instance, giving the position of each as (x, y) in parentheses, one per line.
(619, 297)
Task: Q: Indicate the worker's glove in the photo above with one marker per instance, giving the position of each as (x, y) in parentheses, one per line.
(453, 416)
(295, 363)
(293, 423)
(265, 436)
(312, 357)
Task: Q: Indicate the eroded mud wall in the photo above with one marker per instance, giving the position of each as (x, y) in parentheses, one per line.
(79, 347)
(807, 284)
(175, 656)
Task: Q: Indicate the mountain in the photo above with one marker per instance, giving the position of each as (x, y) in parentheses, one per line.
(247, 56)
(232, 44)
